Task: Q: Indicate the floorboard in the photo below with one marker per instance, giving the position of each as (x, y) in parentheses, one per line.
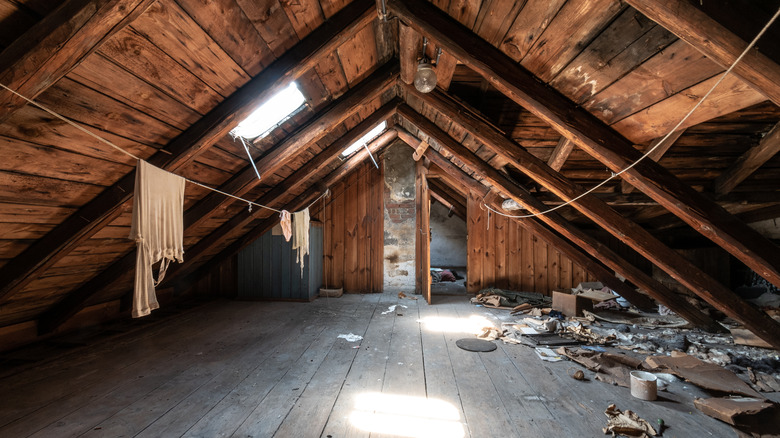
(261, 369)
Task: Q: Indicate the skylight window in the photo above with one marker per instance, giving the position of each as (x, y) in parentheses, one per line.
(271, 113)
(364, 139)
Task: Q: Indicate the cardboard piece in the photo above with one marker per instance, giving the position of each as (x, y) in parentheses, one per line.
(743, 336)
(609, 367)
(734, 410)
(597, 295)
(571, 305)
(703, 374)
(627, 423)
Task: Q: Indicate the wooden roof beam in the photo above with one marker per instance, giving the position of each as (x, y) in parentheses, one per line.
(213, 126)
(716, 42)
(75, 301)
(655, 155)
(593, 136)
(749, 162)
(446, 197)
(57, 44)
(593, 246)
(561, 153)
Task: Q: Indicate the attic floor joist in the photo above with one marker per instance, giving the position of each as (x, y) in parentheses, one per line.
(593, 136)
(199, 136)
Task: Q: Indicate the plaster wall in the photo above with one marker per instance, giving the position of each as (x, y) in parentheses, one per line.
(448, 238)
(399, 218)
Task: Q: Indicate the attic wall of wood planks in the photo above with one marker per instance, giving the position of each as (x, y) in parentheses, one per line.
(506, 256)
(353, 241)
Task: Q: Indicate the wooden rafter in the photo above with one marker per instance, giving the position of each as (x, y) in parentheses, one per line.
(410, 43)
(75, 301)
(57, 44)
(181, 150)
(660, 149)
(716, 42)
(561, 153)
(448, 197)
(749, 162)
(594, 137)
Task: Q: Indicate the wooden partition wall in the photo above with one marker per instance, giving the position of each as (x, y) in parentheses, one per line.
(502, 254)
(353, 240)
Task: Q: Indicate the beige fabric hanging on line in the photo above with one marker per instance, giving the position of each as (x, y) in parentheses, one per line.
(301, 234)
(286, 224)
(157, 227)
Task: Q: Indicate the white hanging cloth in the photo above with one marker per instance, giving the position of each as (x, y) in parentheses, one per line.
(301, 234)
(158, 228)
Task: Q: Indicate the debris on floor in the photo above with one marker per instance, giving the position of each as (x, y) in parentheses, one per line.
(402, 295)
(547, 354)
(490, 333)
(733, 410)
(705, 375)
(350, 337)
(392, 308)
(627, 423)
(612, 368)
(498, 298)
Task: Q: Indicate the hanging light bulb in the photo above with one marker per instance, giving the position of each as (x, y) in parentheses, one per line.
(425, 77)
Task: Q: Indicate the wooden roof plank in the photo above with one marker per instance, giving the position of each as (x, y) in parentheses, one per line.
(182, 149)
(661, 147)
(711, 38)
(749, 162)
(596, 138)
(55, 45)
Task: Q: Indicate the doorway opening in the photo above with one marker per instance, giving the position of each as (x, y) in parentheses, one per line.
(448, 248)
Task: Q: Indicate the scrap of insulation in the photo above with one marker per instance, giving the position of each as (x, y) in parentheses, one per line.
(351, 337)
(391, 309)
(403, 295)
(627, 423)
(703, 374)
(732, 410)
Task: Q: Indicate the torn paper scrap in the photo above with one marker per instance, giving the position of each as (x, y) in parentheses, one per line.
(391, 309)
(351, 337)
(627, 423)
(548, 355)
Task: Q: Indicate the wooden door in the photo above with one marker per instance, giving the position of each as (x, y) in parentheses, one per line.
(423, 227)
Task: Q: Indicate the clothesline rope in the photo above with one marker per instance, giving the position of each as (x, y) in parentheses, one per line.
(130, 154)
(659, 143)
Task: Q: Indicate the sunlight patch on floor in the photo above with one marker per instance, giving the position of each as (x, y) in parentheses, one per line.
(408, 416)
(471, 325)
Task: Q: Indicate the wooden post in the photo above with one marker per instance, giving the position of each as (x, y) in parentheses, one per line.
(423, 231)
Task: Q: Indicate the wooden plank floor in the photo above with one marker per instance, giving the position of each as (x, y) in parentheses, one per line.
(261, 369)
